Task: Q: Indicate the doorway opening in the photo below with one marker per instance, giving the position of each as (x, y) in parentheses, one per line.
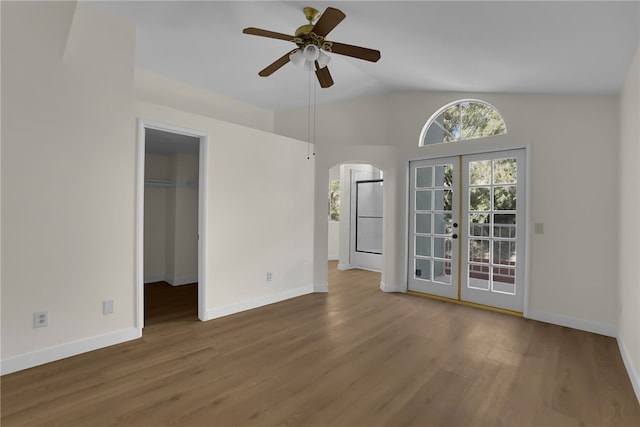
(355, 239)
(170, 219)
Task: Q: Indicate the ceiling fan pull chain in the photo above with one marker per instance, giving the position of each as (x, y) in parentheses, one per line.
(314, 114)
(309, 117)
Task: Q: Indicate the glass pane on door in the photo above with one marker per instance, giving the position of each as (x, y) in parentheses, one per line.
(489, 257)
(433, 248)
(369, 198)
(493, 232)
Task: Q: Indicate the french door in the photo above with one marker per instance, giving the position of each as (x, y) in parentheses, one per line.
(467, 228)
(434, 227)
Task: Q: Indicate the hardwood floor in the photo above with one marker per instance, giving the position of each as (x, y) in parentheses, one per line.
(165, 303)
(353, 357)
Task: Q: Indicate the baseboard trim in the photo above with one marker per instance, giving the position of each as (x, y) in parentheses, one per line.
(258, 302)
(333, 258)
(365, 268)
(572, 322)
(173, 281)
(156, 278)
(51, 354)
(385, 287)
(359, 267)
(631, 371)
(321, 288)
(179, 281)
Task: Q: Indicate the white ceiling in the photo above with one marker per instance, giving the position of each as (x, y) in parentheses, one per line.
(475, 46)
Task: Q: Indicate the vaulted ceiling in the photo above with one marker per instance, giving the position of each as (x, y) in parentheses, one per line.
(571, 47)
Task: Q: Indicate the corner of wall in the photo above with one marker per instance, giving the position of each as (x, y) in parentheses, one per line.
(78, 106)
(628, 364)
(157, 89)
(573, 322)
(258, 302)
(386, 287)
(321, 288)
(628, 229)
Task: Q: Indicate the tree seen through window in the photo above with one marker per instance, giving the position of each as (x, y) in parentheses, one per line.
(462, 120)
(334, 201)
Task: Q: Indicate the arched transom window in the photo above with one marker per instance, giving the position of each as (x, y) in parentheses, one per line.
(461, 120)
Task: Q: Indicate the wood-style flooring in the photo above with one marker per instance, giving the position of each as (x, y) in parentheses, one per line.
(353, 357)
(164, 303)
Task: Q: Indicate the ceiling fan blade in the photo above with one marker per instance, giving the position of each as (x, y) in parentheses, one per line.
(355, 51)
(328, 21)
(266, 33)
(324, 76)
(276, 65)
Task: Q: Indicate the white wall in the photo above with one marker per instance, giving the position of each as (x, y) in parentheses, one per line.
(68, 169)
(0, 185)
(161, 90)
(629, 225)
(171, 219)
(184, 253)
(170, 222)
(68, 189)
(569, 138)
(333, 252)
(155, 218)
(260, 212)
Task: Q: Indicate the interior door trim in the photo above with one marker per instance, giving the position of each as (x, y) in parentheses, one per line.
(203, 176)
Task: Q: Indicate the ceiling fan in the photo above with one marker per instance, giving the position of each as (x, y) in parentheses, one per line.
(310, 39)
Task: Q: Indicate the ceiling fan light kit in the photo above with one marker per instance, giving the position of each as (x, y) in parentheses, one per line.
(312, 47)
(297, 58)
(323, 59)
(307, 57)
(311, 52)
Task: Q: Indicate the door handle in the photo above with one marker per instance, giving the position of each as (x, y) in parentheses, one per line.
(455, 236)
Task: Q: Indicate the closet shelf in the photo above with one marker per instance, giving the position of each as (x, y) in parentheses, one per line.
(158, 183)
(168, 183)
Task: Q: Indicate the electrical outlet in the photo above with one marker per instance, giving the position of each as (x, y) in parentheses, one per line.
(40, 319)
(269, 276)
(107, 306)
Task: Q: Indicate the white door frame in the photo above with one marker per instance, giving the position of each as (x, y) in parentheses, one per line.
(202, 214)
